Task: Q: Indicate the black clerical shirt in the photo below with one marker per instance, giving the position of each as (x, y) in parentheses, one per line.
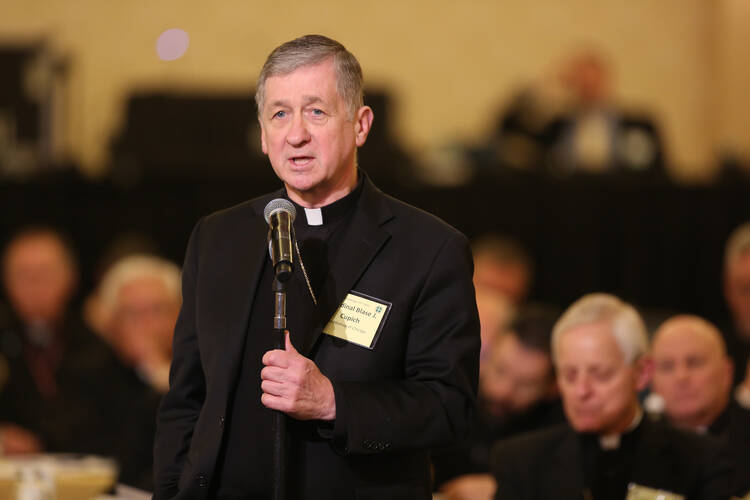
(247, 474)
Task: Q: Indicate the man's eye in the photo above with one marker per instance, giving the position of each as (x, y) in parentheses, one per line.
(317, 112)
(279, 114)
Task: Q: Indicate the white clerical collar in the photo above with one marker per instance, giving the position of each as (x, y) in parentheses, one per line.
(314, 216)
(612, 441)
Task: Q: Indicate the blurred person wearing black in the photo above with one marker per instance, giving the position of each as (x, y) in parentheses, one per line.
(64, 388)
(362, 412)
(693, 376)
(517, 394)
(594, 134)
(607, 449)
(737, 295)
(138, 301)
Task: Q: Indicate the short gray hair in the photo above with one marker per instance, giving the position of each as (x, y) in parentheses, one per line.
(134, 267)
(737, 244)
(307, 51)
(627, 325)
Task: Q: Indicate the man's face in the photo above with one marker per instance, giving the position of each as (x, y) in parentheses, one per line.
(598, 388)
(309, 135)
(691, 373)
(515, 377)
(39, 278)
(737, 292)
(509, 279)
(144, 320)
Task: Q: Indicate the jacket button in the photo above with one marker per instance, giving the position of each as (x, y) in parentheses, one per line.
(202, 481)
(221, 422)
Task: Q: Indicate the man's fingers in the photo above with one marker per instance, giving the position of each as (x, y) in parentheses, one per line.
(277, 357)
(273, 373)
(288, 342)
(272, 388)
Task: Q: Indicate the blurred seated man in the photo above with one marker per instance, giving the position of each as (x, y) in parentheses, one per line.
(517, 393)
(737, 295)
(502, 265)
(693, 375)
(495, 313)
(595, 135)
(606, 450)
(62, 389)
(140, 298)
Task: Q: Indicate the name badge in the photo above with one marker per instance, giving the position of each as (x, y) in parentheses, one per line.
(638, 492)
(359, 319)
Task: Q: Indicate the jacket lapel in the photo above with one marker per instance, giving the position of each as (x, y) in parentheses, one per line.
(364, 239)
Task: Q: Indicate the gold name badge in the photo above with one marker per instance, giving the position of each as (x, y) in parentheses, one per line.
(359, 319)
(638, 492)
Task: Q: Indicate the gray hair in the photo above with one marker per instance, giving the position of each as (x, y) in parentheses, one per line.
(307, 51)
(737, 244)
(136, 267)
(627, 325)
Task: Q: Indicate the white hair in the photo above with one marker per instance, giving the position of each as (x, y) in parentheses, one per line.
(627, 325)
(737, 244)
(135, 267)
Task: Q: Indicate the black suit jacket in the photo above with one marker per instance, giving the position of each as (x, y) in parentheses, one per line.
(415, 389)
(548, 464)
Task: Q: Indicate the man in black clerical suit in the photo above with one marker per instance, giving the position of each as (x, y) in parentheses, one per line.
(362, 412)
(517, 394)
(693, 376)
(607, 450)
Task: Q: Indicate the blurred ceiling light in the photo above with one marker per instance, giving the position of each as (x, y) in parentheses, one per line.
(172, 44)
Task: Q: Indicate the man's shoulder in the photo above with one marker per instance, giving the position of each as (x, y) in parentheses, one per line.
(531, 444)
(659, 437)
(416, 219)
(248, 208)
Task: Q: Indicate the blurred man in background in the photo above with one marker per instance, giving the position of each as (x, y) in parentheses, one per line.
(502, 265)
(599, 347)
(595, 135)
(693, 375)
(737, 295)
(63, 389)
(139, 298)
(517, 394)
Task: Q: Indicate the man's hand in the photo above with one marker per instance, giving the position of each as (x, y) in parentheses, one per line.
(17, 440)
(291, 383)
(470, 487)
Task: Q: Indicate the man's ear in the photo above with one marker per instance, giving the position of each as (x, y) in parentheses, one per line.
(263, 145)
(362, 122)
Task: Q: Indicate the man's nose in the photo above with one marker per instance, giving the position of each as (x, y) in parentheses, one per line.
(583, 387)
(298, 133)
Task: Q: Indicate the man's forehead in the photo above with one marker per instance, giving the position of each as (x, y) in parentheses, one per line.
(686, 337)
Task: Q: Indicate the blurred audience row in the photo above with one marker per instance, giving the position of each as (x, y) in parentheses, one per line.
(84, 383)
(588, 405)
(580, 403)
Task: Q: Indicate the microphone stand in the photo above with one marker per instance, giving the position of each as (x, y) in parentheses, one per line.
(278, 424)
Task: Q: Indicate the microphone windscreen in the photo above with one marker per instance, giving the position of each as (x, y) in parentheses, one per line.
(277, 205)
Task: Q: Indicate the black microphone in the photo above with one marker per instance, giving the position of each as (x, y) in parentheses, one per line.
(280, 214)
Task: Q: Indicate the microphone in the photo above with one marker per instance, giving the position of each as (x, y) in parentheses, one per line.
(279, 215)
